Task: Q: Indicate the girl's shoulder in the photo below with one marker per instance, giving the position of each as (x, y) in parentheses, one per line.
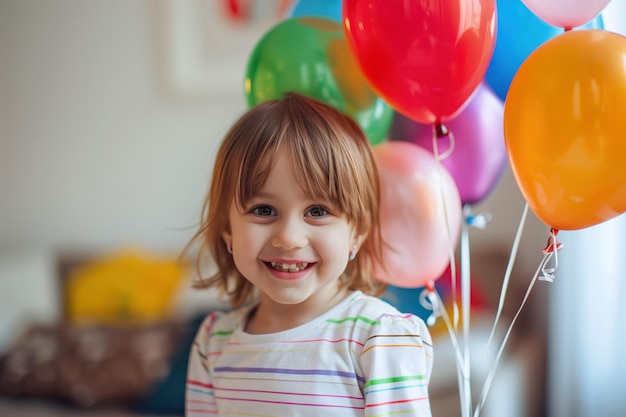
(376, 309)
(220, 323)
(378, 322)
(371, 315)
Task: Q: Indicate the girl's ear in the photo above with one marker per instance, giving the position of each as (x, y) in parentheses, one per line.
(358, 239)
(228, 238)
(228, 241)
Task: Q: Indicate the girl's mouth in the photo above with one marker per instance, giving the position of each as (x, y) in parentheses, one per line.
(284, 267)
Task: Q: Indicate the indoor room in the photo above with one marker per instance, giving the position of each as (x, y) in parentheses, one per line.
(111, 116)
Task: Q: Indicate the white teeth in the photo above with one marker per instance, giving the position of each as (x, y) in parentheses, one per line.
(289, 267)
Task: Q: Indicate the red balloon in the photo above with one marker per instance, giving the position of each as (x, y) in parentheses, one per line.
(424, 58)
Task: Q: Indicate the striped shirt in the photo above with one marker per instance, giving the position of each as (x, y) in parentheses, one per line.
(361, 358)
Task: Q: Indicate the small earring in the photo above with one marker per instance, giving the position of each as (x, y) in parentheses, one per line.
(352, 253)
(229, 247)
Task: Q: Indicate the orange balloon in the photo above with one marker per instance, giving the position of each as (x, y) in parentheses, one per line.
(565, 128)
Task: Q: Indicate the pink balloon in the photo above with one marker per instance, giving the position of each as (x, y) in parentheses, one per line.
(566, 13)
(479, 156)
(415, 190)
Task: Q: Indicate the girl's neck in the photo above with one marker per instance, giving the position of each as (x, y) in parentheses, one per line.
(271, 317)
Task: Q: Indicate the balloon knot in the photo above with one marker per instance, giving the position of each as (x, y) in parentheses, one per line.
(552, 244)
(441, 130)
(430, 301)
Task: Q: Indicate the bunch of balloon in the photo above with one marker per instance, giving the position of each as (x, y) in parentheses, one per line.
(310, 55)
(511, 49)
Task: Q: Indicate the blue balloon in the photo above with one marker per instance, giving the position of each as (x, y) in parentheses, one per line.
(323, 8)
(406, 300)
(520, 32)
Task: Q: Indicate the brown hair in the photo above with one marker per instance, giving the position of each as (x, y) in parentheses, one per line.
(332, 160)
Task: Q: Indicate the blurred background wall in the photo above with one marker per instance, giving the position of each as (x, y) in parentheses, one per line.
(110, 114)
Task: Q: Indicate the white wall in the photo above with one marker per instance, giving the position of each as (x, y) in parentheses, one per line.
(587, 362)
(102, 143)
(96, 151)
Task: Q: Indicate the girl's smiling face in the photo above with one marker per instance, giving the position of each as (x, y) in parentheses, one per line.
(292, 249)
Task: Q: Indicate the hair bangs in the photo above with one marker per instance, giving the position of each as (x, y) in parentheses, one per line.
(321, 167)
(257, 153)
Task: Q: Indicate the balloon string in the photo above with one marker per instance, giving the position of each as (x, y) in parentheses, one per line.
(466, 400)
(552, 247)
(509, 269)
(490, 376)
(463, 365)
(430, 299)
(436, 129)
(479, 221)
(451, 146)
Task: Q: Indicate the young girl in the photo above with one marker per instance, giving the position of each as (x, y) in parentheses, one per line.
(291, 220)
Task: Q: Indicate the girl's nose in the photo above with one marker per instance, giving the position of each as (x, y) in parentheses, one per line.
(290, 233)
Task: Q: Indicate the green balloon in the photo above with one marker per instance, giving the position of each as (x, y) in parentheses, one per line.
(310, 56)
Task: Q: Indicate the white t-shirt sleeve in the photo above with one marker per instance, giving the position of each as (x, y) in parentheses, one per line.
(199, 396)
(397, 362)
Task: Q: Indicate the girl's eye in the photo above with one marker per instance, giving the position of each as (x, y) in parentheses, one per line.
(317, 211)
(263, 211)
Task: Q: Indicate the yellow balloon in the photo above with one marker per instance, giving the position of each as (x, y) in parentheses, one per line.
(565, 128)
